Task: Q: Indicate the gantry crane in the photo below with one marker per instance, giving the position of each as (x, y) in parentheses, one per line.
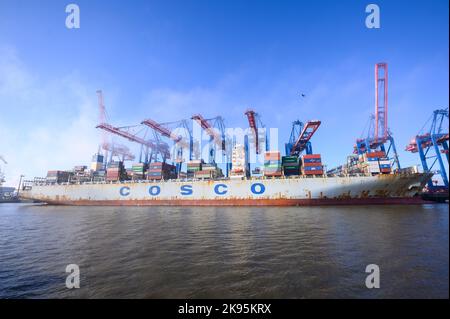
(379, 137)
(118, 150)
(254, 122)
(156, 147)
(300, 137)
(110, 147)
(180, 143)
(431, 145)
(215, 129)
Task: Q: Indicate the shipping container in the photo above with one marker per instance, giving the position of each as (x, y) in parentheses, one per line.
(316, 172)
(272, 156)
(377, 154)
(309, 156)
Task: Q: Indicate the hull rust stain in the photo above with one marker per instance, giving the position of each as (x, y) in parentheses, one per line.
(388, 189)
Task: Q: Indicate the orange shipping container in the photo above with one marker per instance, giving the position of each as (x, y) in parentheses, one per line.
(376, 154)
(272, 156)
(313, 172)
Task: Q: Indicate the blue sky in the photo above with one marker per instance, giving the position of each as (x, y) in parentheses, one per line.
(169, 59)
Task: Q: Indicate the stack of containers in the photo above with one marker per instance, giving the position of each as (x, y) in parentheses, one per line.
(160, 170)
(209, 170)
(385, 165)
(312, 164)
(291, 165)
(56, 177)
(138, 171)
(372, 162)
(238, 162)
(99, 176)
(182, 175)
(354, 164)
(81, 174)
(115, 171)
(97, 162)
(272, 163)
(204, 174)
(194, 166)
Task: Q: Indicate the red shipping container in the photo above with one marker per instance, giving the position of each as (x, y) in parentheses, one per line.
(156, 164)
(312, 164)
(311, 156)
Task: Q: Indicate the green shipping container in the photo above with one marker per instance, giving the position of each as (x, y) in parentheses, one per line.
(291, 167)
(277, 166)
(289, 159)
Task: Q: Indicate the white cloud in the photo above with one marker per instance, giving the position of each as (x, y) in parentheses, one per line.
(37, 133)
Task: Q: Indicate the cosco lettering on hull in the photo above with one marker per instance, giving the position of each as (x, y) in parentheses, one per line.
(187, 190)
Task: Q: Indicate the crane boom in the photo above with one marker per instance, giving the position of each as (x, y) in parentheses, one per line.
(165, 131)
(308, 131)
(251, 116)
(163, 148)
(159, 128)
(119, 150)
(209, 130)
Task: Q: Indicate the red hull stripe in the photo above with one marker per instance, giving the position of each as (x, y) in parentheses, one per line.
(247, 202)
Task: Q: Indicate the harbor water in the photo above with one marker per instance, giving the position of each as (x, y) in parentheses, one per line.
(224, 252)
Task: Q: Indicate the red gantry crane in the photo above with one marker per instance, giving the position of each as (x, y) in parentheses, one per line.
(164, 131)
(253, 119)
(112, 148)
(160, 147)
(379, 138)
(303, 138)
(209, 129)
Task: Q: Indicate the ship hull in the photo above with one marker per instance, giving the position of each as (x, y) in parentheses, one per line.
(301, 191)
(246, 202)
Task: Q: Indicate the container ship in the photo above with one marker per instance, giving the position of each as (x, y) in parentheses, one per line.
(284, 181)
(371, 175)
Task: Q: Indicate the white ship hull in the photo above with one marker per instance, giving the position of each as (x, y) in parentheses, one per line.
(381, 189)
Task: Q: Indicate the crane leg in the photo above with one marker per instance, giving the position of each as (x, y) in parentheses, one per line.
(439, 158)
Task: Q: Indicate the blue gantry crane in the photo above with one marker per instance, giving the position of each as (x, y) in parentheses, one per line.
(301, 134)
(182, 142)
(431, 145)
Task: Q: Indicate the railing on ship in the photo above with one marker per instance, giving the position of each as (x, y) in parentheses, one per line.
(43, 182)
